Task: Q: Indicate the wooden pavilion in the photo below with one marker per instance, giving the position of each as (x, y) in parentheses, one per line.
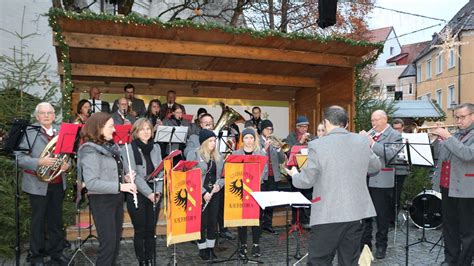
(199, 61)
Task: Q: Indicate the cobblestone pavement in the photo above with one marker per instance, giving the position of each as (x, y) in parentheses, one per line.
(273, 249)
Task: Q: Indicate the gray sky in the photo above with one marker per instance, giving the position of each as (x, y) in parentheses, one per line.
(443, 9)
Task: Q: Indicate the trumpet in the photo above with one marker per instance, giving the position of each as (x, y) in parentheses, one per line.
(371, 133)
(278, 143)
(426, 129)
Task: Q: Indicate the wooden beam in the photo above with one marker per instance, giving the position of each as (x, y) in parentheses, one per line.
(121, 43)
(188, 75)
(83, 86)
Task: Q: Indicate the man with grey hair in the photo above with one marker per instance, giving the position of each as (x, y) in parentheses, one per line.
(46, 198)
(337, 165)
(381, 185)
(454, 176)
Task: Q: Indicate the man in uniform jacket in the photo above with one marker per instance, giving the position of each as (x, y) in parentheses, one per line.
(454, 175)
(300, 137)
(94, 99)
(46, 198)
(381, 185)
(121, 115)
(336, 169)
(138, 106)
(166, 107)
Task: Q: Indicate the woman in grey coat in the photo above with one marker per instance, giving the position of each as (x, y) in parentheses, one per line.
(104, 175)
(210, 162)
(145, 156)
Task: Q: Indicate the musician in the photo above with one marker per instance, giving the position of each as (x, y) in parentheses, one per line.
(145, 156)
(166, 108)
(153, 113)
(83, 111)
(46, 198)
(320, 130)
(271, 180)
(206, 121)
(176, 120)
(401, 172)
(256, 119)
(251, 146)
(211, 163)
(336, 170)
(195, 126)
(381, 185)
(137, 105)
(121, 116)
(454, 176)
(104, 175)
(97, 104)
(300, 137)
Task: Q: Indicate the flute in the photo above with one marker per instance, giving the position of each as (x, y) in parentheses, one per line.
(135, 199)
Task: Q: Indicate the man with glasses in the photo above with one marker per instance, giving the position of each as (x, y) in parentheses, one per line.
(96, 103)
(454, 176)
(137, 106)
(46, 198)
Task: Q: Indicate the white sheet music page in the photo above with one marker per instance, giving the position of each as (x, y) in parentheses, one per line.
(279, 198)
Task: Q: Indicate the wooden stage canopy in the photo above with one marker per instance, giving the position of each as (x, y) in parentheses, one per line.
(211, 62)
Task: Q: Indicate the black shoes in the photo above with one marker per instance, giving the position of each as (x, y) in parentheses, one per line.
(227, 235)
(204, 254)
(380, 253)
(212, 255)
(243, 252)
(256, 251)
(269, 229)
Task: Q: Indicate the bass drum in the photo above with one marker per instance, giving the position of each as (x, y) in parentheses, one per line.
(427, 204)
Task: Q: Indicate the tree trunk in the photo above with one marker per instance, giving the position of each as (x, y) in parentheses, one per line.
(125, 7)
(284, 16)
(238, 10)
(271, 14)
(57, 4)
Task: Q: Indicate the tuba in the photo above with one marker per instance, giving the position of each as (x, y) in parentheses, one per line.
(228, 117)
(48, 173)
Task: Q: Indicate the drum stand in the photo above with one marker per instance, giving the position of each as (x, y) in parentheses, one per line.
(423, 235)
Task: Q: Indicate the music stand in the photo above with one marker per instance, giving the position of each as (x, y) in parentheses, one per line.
(171, 134)
(13, 144)
(279, 198)
(96, 105)
(416, 150)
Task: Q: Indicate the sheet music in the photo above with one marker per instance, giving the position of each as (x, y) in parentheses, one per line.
(420, 148)
(96, 106)
(279, 198)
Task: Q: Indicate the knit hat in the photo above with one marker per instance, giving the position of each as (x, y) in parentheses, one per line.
(248, 131)
(205, 134)
(266, 123)
(302, 120)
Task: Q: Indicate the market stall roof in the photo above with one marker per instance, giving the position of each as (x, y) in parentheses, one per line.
(417, 109)
(195, 59)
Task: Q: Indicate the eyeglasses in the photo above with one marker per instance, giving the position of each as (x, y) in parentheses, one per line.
(46, 113)
(461, 117)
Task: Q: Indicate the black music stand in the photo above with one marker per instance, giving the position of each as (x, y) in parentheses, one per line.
(171, 134)
(13, 144)
(96, 105)
(415, 153)
(278, 198)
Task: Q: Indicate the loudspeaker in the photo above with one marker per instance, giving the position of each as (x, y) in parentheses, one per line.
(327, 13)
